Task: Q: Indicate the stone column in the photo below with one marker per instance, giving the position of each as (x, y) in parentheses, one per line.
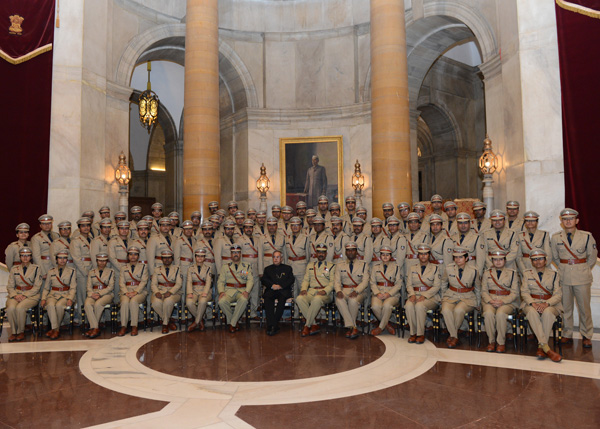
(201, 164)
(390, 128)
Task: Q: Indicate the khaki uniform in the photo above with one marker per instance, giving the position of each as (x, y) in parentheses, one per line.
(58, 289)
(365, 247)
(133, 230)
(412, 243)
(117, 255)
(506, 289)
(298, 252)
(251, 252)
(540, 240)
(427, 285)
(175, 233)
(260, 230)
(99, 245)
(339, 244)
(184, 255)
(154, 229)
(516, 225)
(325, 238)
(284, 228)
(12, 253)
(425, 227)
(385, 279)
(379, 241)
(156, 244)
(399, 246)
(82, 258)
(28, 284)
(223, 250)
(102, 283)
(134, 278)
(234, 279)
(508, 241)
(142, 245)
(475, 244)
(575, 262)
(199, 282)
(451, 227)
(316, 278)
(269, 245)
(207, 244)
(548, 290)
(481, 226)
(441, 249)
(61, 243)
(460, 295)
(348, 280)
(40, 247)
(163, 282)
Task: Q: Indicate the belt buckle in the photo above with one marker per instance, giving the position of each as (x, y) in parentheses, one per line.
(571, 262)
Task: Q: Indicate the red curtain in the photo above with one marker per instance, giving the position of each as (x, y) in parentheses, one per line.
(26, 82)
(579, 56)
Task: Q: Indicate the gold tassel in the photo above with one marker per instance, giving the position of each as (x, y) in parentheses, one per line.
(57, 13)
(582, 10)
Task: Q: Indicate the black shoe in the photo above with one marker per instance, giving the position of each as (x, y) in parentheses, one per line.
(271, 330)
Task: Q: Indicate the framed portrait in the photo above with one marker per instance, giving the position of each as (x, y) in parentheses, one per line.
(311, 167)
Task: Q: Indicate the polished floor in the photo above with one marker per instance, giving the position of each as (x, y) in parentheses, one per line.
(248, 379)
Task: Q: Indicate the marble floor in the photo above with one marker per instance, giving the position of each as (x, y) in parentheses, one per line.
(248, 379)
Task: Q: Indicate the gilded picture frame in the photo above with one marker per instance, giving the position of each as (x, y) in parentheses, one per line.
(301, 180)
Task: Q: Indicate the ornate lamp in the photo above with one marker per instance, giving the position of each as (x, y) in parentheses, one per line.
(262, 184)
(123, 176)
(358, 183)
(148, 105)
(488, 164)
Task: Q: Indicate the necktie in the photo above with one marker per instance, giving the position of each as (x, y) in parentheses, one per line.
(432, 239)
(479, 226)
(510, 222)
(132, 268)
(570, 238)
(69, 240)
(530, 236)
(351, 266)
(423, 269)
(462, 237)
(540, 274)
(24, 269)
(273, 239)
(251, 240)
(60, 272)
(498, 273)
(100, 273)
(384, 268)
(355, 238)
(199, 268)
(412, 235)
(460, 271)
(449, 225)
(190, 241)
(498, 235)
(50, 237)
(168, 240)
(89, 240)
(210, 243)
(262, 229)
(319, 265)
(294, 240)
(125, 242)
(167, 271)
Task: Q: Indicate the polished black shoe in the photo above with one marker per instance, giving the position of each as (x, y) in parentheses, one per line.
(271, 330)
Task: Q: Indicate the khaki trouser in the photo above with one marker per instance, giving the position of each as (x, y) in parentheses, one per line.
(80, 295)
(164, 306)
(310, 305)
(233, 316)
(95, 307)
(383, 310)
(495, 320)
(197, 305)
(56, 310)
(348, 307)
(17, 313)
(416, 314)
(130, 308)
(454, 315)
(541, 324)
(582, 296)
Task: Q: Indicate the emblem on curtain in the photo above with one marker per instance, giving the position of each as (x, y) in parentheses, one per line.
(15, 24)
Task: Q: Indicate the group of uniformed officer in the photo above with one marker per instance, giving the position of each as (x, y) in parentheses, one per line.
(445, 259)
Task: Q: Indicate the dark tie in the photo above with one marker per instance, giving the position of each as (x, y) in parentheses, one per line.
(60, 272)
(462, 237)
(50, 237)
(498, 273)
(251, 240)
(540, 274)
(262, 229)
(412, 235)
(89, 240)
(132, 268)
(423, 269)
(24, 269)
(236, 267)
(498, 235)
(190, 240)
(167, 271)
(168, 240)
(355, 238)
(570, 238)
(460, 271)
(100, 273)
(530, 236)
(449, 225)
(125, 242)
(351, 266)
(273, 239)
(210, 242)
(384, 268)
(69, 240)
(294, 240)
(199, 268)
(479, 226)
(319, 265)
(510, 222)
(432, 239)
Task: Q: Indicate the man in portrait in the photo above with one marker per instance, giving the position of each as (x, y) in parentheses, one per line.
(316, 182)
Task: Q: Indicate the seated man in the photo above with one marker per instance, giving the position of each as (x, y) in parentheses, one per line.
(132, 290)
(423, 283)
(59, 292)
(542, 301)
(461, 292)
(316, 289)
(350, 283)
(166, 290)
(100, 286)
(386, 284)
(278, 280)
(235, 284)
(198, 288)
(499, 296)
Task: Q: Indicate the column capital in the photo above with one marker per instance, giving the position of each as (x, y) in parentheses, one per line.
(491, 67)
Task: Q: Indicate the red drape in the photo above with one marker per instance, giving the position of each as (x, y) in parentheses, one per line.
(25, 115)
(579, 55)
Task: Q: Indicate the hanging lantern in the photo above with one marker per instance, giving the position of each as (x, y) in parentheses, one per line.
(148, 105)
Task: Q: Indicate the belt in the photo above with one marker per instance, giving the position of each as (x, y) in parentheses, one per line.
(461, 290)
(143, 262)
(297, 258)
(545, 296)
(337, 256)
(122, 261)
(17, 263)
(249, 256)
(133, 283)
(573, 261)
(45, 257)
(359, 257)
(422, 288)
(471, 258)
(268, 255)
(168, 284)
(98, 287)
(158, 257)
(386, 284)
(60, 289)
(318, 287)
(186, 259)
(375, 259)
(200, 283)
(86, 259)
(412, 256)
(437, 261)
(212, 261)
(348, 286)
(313, 255)
(526, 255)
(24, 287)
(499, 292)
(226, 258)
(236, 285)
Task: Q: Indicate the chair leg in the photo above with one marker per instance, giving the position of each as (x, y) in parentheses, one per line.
(478, 329)
(471, 323)
(71, 319)
(2, 313)
(559, 322)
(514, 328)
(151, 318)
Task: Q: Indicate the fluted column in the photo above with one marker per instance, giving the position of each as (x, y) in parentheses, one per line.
(390, 127)
(201, 164)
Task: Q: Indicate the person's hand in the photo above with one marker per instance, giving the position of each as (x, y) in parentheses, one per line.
(43, 303)
(95, 295)
(69, 302)
(339, 295)
(221, 295)
(386, 296)
(203, 295)
(303, 292)
(19, 298)
(245, 295)
(353, 294)
(421, 298)
(381, 296)
(413, 299)
(158, 295)
(168, 294)
(190, 295)
(276, 287)
(321, 292)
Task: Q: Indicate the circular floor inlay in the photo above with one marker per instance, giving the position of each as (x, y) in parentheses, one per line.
(251, 355)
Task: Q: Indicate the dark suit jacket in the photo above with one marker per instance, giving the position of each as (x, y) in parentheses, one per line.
(281, 275)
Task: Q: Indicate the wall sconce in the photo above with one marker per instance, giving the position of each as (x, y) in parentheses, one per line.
(123, 176)
(358, 183)
(488, 164)
(262, 184)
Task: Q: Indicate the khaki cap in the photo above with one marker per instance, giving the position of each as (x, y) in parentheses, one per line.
(403, 205)
(133, 249)
(45, 218)
(104, 209)
(25, 251)
(301, 205)
(393, 220)
(213, 204)
(136, 209)
(248, 222)
(531, 215)
(187, 224)
(323, 199)
(350, 198)
(376, 222)
(497, 215)
(64, 224)
(166, 253)
(512, 205)
(423, 248)
(318, 219)
(196, 214)
(413, 216)
(142, 224)
(436, 198)
(435, 218)
(498, 253)
(387, 206)
(235, 248)
(164, 221)
(296, 221)
(463, 217)
(459, 251)
(200, 252)
(102, 257)
(358, 221)
(64, 253)
(385, 249)
(123, 224)
(537, 253)
(351, 245)
(84, 221)
(334, 206)
(22, 227)
(448, 204)
(287, 209)
(321, 247)
(232, 204)
(105, 222)
(158, 206)
(566, 213)
(336, 219)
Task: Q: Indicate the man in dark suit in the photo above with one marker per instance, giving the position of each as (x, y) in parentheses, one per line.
(316, 182)
(278, 280)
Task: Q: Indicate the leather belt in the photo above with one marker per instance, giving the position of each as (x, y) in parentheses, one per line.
(461, 290)
(235, 285)
(60, 289)
(412, 256)
(386, 284)
(186, 259)
(132, 283)
(348, 286)
(436, 261)
(122, 261)
(337, 256)
(573, 261)
(168, 284)
(24, 287)
(545, 296)
(526, 255)
(98, 287)
(212, 261)
(297, 258)
(17, 263)
(250, 256)
(318, 287)
(226, 258)
(268, 255)
(422, 288)
(499, 292)
(471, 258)
(360, 257)
(200, 283)
(86, 259)
(45, 257)
(143, 262)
